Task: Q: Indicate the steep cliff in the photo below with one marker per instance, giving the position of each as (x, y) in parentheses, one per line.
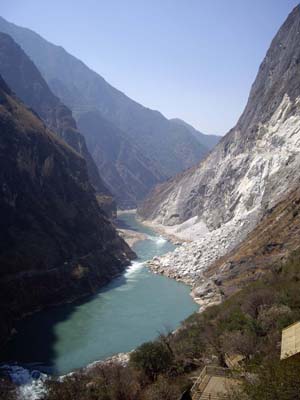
(253, 165)
(166, 148)
(239, 207)
(56, 244)
(26, 81)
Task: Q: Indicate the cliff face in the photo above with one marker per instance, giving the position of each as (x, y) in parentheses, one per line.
(160, 146)
(253, 165)
(55, 242)
(26, 81)
(240, 206)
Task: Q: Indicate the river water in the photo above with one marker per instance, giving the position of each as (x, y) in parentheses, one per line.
(132, 309)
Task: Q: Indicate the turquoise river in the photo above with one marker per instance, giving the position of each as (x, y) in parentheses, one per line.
(134, 308)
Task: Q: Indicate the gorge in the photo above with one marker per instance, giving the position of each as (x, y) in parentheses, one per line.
(202, 263)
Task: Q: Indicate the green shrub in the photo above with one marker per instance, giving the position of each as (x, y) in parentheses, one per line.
(276, 380)
(153, 358)
(162, 389)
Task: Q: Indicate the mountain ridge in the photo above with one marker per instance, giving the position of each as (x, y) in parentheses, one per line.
(26, 81)
(170, 147)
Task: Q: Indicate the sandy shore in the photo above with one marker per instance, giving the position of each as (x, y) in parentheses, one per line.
(163, 231)
(131, 211)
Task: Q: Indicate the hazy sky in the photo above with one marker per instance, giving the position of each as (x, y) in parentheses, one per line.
(192, 59)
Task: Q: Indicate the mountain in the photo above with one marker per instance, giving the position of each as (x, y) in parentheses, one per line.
(26, 81)
(167, 148)
(127, 172)
(218, 202)
(56, 244)
(209, 141)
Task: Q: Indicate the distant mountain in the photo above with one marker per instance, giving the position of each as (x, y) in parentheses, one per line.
(27, 82)
(128, 172)
(56, 244)
(209, 141)
(167, 149)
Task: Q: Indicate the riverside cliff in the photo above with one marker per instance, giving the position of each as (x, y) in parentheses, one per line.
(56, 243)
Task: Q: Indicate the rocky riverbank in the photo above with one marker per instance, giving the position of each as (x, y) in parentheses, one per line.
(183, 265)
(189, 261)
(117, 359)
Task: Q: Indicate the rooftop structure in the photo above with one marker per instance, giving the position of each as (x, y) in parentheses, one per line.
(290, 341)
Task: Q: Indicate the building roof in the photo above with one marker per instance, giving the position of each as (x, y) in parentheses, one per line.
(290, 341)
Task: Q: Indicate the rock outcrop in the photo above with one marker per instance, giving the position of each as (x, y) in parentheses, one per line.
(56, 244)
(26, 81)
(162, 147)
(218, 202)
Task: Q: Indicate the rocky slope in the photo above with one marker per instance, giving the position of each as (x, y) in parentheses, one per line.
(220, 201)
(213, 277)
(167, 148)
(273, 240)
(26, 81)
(56, 244)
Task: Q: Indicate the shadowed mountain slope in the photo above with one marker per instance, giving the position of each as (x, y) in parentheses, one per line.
(27, 82)
(56, 244)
